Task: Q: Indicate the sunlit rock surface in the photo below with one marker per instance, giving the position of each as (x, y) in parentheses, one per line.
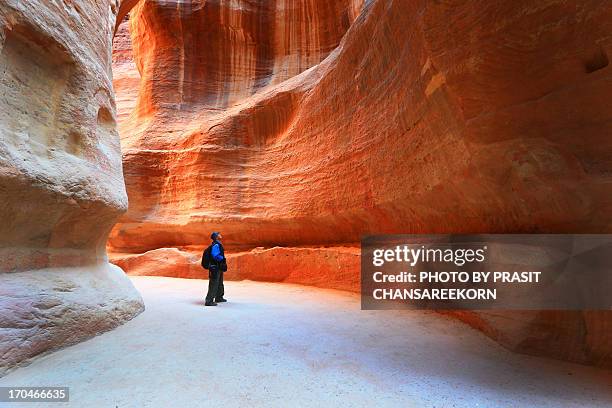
(310, 123)
(61, 183)
(126, 78)
(332, 267)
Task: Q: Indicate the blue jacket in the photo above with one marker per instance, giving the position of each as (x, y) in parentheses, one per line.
(217, 251)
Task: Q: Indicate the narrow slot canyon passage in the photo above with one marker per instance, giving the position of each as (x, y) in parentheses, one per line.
(131, 130)
(275, 345)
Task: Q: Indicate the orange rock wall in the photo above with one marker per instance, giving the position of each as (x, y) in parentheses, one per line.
(161, 262)
(331, 267)
(187, 89)
(286, 125)
(215, 53)
(429, 117)
(126, 78)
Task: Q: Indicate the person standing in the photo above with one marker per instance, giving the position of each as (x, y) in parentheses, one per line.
(217, 266)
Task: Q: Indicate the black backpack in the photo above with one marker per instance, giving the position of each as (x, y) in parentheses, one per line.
(207, 257)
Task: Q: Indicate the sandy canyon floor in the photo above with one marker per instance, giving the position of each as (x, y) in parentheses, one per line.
(279, 345)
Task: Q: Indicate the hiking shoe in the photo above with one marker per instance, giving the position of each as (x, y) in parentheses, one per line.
(220, 300)
(210, 304)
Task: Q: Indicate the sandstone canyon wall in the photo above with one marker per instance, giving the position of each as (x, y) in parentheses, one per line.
(299, 126)
(61, 182)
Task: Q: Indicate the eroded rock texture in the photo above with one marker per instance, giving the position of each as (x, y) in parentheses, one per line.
(331, 267)
(307, 123)
(211, 67)
(126, 78)
(61, 183)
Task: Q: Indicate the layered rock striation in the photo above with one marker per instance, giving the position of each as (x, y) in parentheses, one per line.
(61, 181)
(328, 267)
(426, 118)
(311, 123)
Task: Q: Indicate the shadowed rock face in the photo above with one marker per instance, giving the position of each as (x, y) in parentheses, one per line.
(60, 178)
(299, 124)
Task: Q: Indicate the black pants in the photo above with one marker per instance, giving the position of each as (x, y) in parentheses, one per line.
(215, 285)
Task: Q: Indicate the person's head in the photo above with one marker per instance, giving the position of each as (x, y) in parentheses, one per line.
(216, 236)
